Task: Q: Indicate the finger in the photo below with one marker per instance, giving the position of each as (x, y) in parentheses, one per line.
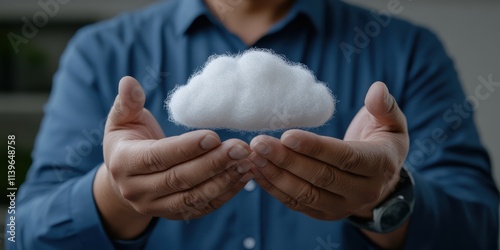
(296, 193)
(189, 174)
(286, 199)
(217, 202)
(354, 187)
(352, 157)
(196, 171)
(128, 103)
(151, 156)
(205, 197)
(384, 108)
(318, 173)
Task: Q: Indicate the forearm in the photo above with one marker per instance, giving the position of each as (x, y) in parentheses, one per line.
(453, 219)
(391, 240)
(444, 221)
(119, 219)
(52, 214)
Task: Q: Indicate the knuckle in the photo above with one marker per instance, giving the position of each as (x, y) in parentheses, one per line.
(227, 179)
(324, 177)
(193, 201)
(130, 194)
(115, 166)
(292, 203)
(394, 108)
(151, 159)
(146, 210)
(211, 191)
(217, 163)
(174, 182)
(308, 195)
(317, 149)
(266, 185)
(211, 206)
(275, 176)
(284, 161)
(183, 152)
(115, 171)
(350, 159)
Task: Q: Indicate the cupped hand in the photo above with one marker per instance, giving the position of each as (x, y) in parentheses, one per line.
(179, 178)
(328, 178)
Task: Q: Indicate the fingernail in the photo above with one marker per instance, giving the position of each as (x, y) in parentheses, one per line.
(238, 152)
(290, 141)
(259, 161)
(246, 178)
(261, 148)
(244, 166)
(209, 142)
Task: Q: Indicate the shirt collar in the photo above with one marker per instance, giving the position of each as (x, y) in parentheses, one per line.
(190, 10)
(313, 10)
(187, 12)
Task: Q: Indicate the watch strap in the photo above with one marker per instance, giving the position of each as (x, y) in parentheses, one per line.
(400, 201)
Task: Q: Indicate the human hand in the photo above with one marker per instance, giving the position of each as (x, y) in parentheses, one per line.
(330, 179)
(148, 175)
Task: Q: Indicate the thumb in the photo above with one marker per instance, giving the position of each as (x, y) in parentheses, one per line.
(384, 108)
(128, 103)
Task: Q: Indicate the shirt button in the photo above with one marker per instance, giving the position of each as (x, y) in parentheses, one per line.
(250, 186)
(249, 243)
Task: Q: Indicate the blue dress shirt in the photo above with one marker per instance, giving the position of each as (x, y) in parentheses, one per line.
(162, 45)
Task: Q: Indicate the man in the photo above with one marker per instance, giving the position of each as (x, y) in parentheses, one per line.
(154, 185)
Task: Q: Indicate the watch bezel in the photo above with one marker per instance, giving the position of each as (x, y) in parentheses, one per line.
(403, 193)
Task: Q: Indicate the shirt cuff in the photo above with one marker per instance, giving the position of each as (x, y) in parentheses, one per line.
(424, 221)
(85, 215)
(138, 243)
(88, 223)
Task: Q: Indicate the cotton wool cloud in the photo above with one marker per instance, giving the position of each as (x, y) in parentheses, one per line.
(256, 90)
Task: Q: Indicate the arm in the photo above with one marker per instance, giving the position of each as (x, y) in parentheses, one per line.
(56, 207)
(456, 200)
(145, 175)
(456, 204)
(148, 175)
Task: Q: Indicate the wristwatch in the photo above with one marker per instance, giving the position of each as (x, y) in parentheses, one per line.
(393, 212)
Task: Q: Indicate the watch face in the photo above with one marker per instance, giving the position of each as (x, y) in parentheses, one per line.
(394, 214)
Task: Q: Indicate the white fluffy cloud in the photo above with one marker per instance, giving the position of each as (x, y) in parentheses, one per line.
(253, 91)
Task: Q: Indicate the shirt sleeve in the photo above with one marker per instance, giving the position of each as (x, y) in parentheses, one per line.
(456, 198)
(56, 207)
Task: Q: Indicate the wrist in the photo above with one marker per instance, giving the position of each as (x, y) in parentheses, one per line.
(113, 209)
(367, 211)
(393, 212)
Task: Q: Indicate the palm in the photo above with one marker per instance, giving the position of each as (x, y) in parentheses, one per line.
(143, 127)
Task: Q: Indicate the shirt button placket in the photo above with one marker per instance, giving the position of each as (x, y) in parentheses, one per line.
(249, 243)
(250, 186)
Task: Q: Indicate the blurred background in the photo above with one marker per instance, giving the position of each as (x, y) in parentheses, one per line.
(469, 29)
